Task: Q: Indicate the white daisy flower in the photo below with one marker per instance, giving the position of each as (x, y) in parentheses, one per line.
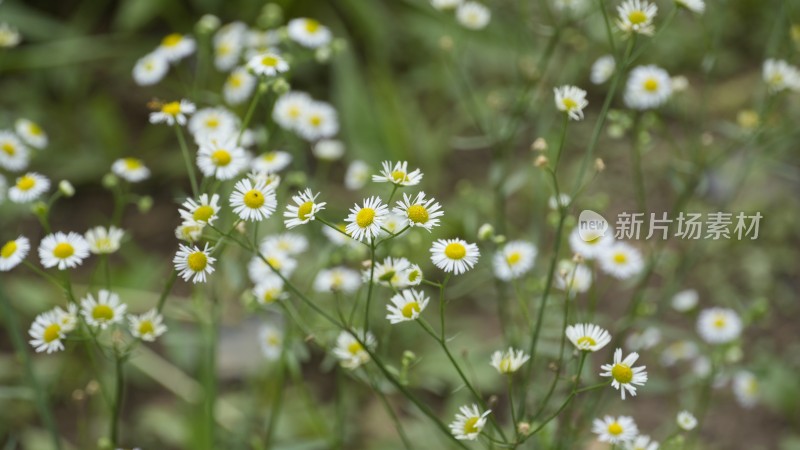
(636, 16)
(685, 300)
(189, 231)
(679, 351)
(686, 420)
(695, 6)
(588, 337)
(454, 255)
(337, 279)
(350, 352)
(131, 170)
(573, 6)
(68, 320)
(469, 423)
(271, 339)
(389, 272)
(194, 263)
(419, 211)
(147, 326)
(290, 108)
(328, 149)
(445, 4)
(9, 36)
(268, 64)
(319, 121)
(201, 210)
(103, 241)
(239, 86)
(357, 175)
(272, 162)
(253, 201)
(304, 210)
(509, 361)
(289, 243)
(337, 238)
(176, 46)
(150, 69)
(228, 45)
(28, 188)
(216, 123)
(571, 100)
(645, 340)
(262, 39)
(412, 276)
(473, 15)
(393, 223)
(641, 442)
(621, 261)
(14, 156)
(563, 201)
(745, 388)
(602, 69)
(269, 289)
(406, 305)
(63, 250)
(590, 249)
(780, 75)
(221, 158)
(701, 367)
(615, 430)
(31, 133)
(308, 33)
(514, 260)
(173, 112)
(719, 325)
(13, 252)
(46, 333)
(270, 180)
(259, 269)
(106, 310)
(648, 87)
(364, 222)
(572, 278)
(625, 377)
(398, 174)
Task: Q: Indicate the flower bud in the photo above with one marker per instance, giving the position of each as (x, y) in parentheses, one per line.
(539, 145)
(145, 204)
(485, 232)
(207, 24)
(110, 180)
(66, 188)
(281, 86)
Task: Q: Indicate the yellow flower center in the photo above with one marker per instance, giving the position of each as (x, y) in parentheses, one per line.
(455, 250)
(52, 333)
(270, 295)
(399, 176)
(622, 373)
(269, 61)
(409, 310)
(569, 103)
(471, 425)
(212, 122)
(274, 262)
(637, 17)
(35, 129)
(651, 85)
(312, 25)
(9, 149)
(304, 210)
(354, 348)
(273, 340)
(505, 365)
(254, 199)
(719, 322)
(8, 249)
(513, 258)
(102, 313)
(197, 261)
(586, 341)
(26, 182)
(63, 250)
(316, 120)
(172, 40)
(146, 327)
(615, 429)
(235, 80)
(132, 163)
(417, 213)
(293, 112)
(620, 258)
(203, 213)
(221, 158)
(365, 217)
(413, 275)
(171, 108)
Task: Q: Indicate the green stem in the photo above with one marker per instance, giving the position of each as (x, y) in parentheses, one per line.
(609, 31)
(560, 359)
(561, 142)
(636, 167)
(371, 282)
(119, 393)
(279, 393)
(249, 115)
(187, 159)
(162, 299)
(20, 348)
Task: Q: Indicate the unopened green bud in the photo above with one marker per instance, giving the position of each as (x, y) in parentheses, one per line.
(207, 24)
(110, 180)
(281, 86)
(66, 188)
(39, 208)
(145, 204)
(485, 232)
